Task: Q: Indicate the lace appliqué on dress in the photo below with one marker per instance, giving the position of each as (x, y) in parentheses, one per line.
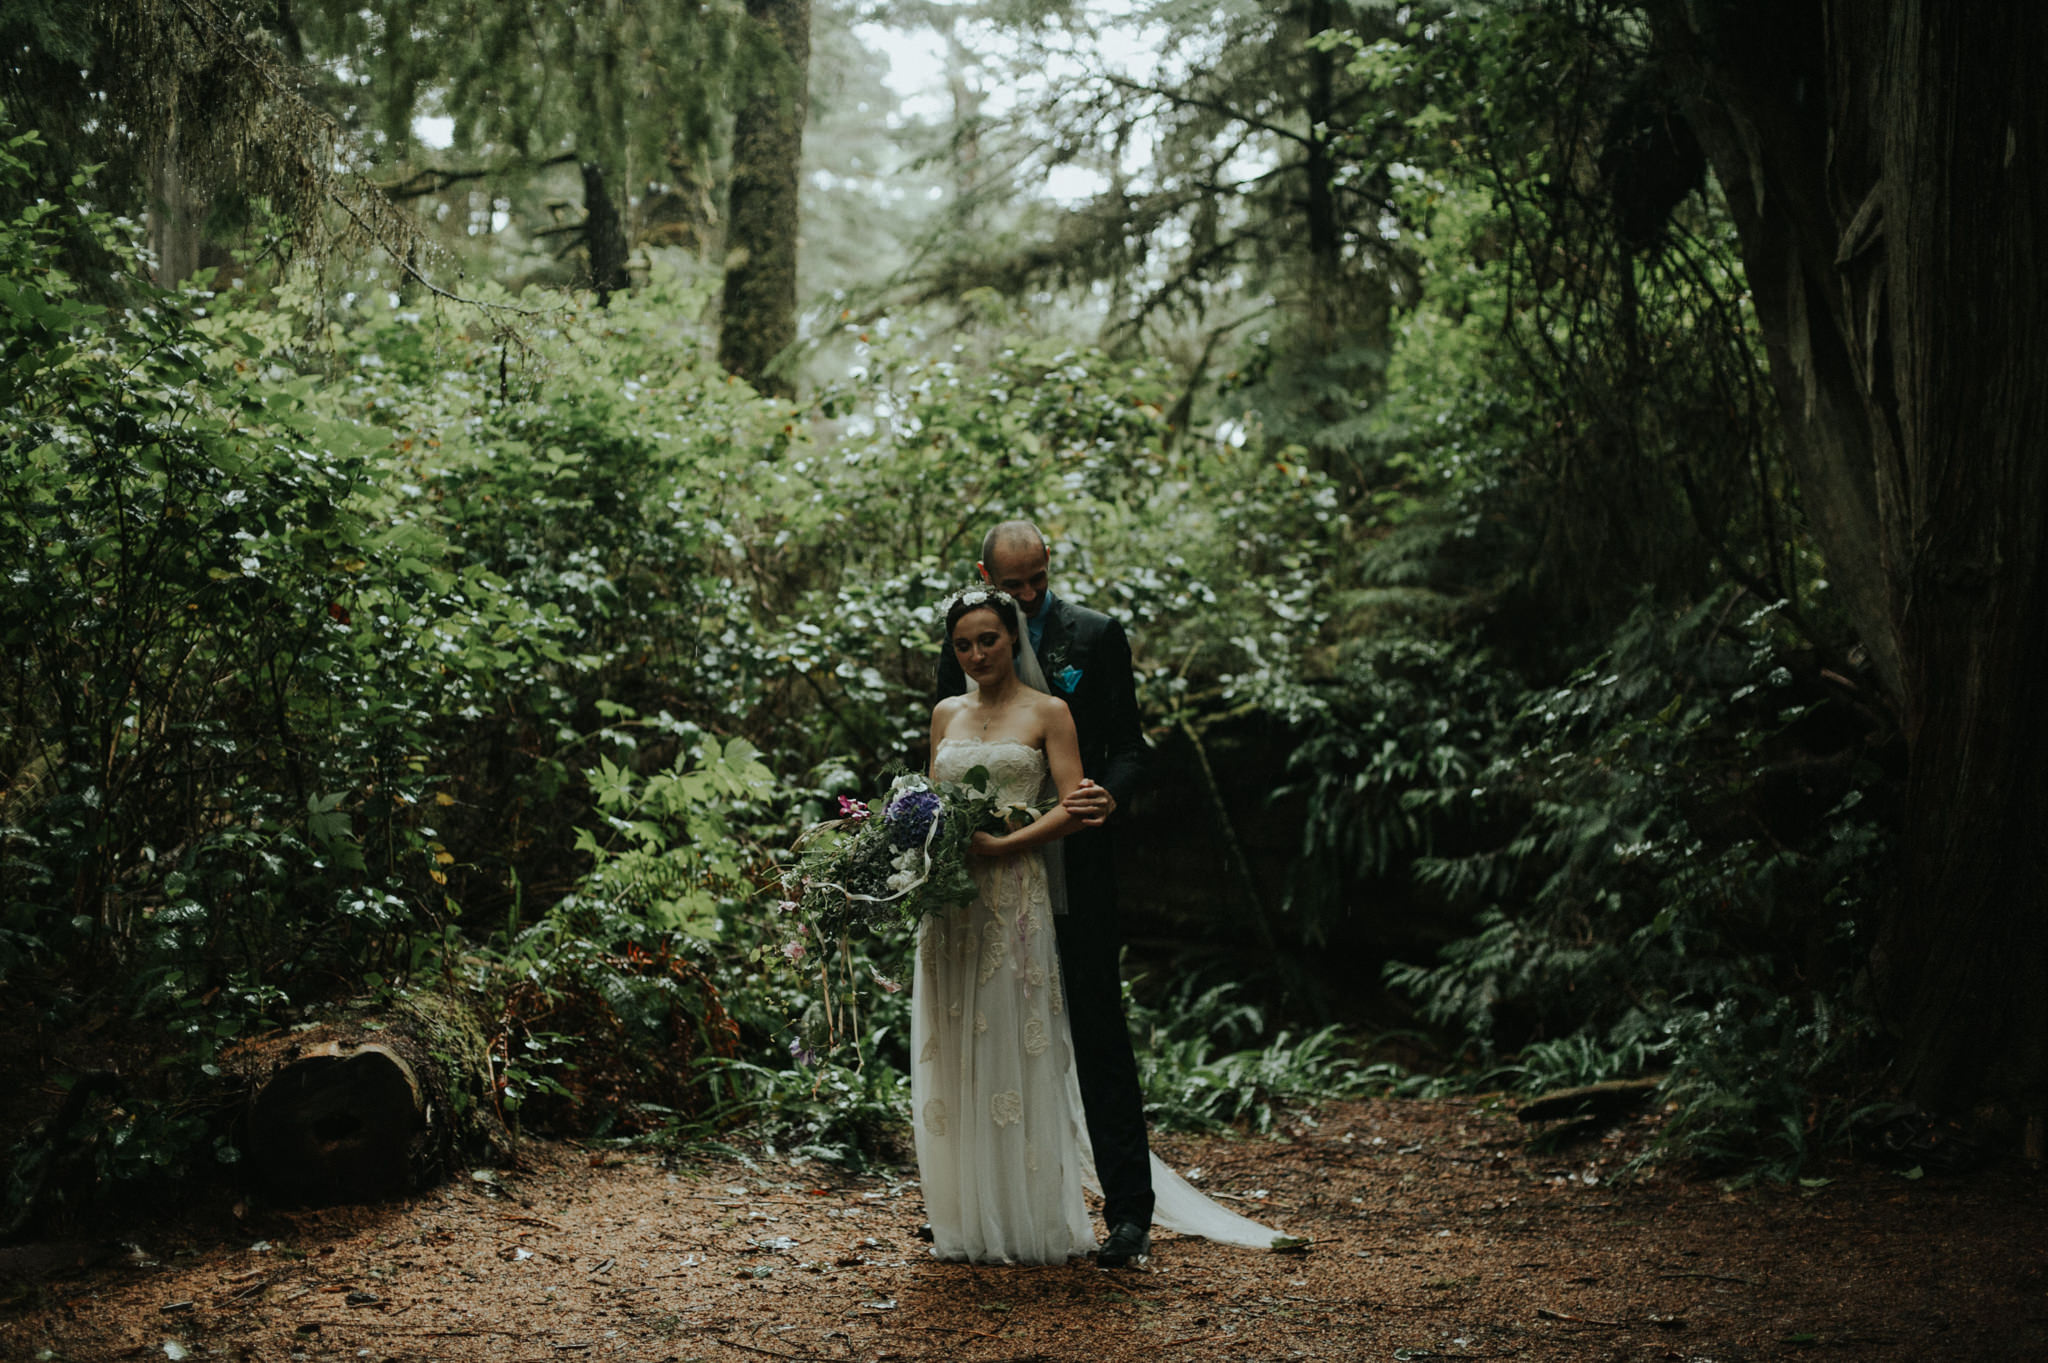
(994, 946)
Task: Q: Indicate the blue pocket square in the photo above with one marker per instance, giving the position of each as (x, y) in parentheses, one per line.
(1067, 678)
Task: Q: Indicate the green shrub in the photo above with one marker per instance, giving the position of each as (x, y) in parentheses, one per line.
(1690, 866)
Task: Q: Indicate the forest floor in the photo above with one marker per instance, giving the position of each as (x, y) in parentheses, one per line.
(1439, 1232)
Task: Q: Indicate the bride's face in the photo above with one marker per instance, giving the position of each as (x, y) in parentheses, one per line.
(983, 647)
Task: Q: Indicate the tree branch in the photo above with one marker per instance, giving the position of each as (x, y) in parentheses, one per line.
(425, 182)
(1130, 86)
(328, 184)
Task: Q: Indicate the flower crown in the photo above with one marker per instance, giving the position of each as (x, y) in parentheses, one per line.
(980, 594)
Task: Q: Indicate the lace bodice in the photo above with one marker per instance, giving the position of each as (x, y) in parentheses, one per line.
(1016, 771)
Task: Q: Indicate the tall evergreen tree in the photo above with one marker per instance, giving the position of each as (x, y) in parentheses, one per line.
(1881, 165)
(190, 111)
(1886, 165)
(1244, 191)
(633, 92)
(759, 321)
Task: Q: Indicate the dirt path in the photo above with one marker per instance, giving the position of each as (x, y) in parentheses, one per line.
(1439, 1234)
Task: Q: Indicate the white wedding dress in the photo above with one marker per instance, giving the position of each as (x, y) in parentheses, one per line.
(1002, 1145)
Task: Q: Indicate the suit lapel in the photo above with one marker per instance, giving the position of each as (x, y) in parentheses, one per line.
(1056, 650)
(1054, 641)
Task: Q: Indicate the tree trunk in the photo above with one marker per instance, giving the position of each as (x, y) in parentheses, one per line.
(1887, 164)
(1325, 233)
(1960, 389)
(967, 102)
(759, 321)
(604, 236)
(1765, 130)
(176, 210)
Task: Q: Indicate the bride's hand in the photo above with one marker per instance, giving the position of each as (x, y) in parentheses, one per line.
(986, 845)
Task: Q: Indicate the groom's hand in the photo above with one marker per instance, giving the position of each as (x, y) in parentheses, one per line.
(1090, 803)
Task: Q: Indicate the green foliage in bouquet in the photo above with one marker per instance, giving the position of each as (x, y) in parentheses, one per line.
(896, 859)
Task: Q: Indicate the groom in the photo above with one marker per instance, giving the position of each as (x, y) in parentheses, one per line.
(1087, 662)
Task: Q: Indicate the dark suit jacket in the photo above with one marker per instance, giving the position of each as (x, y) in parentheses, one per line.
(1087, 660)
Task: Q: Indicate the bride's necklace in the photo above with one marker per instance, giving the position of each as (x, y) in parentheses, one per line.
(991, 712)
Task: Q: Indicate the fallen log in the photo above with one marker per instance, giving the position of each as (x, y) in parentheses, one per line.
(338, 1121)
(366, 1109)
(1614, 1098)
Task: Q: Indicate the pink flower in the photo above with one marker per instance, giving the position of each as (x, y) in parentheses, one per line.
(852, 809)
(793, 950)
(788, 906)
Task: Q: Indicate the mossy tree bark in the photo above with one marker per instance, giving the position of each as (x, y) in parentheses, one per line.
(176, 209)
(1887, 166)
(759, 321)
(604, 235)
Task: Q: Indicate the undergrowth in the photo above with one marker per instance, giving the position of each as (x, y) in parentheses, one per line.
(1690, 858)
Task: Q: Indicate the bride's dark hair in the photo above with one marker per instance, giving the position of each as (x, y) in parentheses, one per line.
(988, 599)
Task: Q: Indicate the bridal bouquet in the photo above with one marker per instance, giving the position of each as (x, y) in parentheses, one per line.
(894, 860)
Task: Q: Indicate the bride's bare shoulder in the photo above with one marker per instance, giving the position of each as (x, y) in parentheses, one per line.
(1049, 709)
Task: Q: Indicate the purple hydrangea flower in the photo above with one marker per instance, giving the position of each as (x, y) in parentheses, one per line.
(910, 816)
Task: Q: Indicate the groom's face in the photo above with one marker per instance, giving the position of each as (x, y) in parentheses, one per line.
(1020, 570)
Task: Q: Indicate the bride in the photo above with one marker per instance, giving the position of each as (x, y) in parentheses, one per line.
(1002, 1146)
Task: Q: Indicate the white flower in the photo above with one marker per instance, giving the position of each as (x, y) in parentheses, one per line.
(1006, 1108)
(909, 864)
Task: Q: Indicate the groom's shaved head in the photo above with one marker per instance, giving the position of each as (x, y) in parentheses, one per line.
(1010, 538)
(1014, 557)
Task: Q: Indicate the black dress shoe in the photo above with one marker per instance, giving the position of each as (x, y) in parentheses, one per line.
(924, 1232)
(1126, 1242)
